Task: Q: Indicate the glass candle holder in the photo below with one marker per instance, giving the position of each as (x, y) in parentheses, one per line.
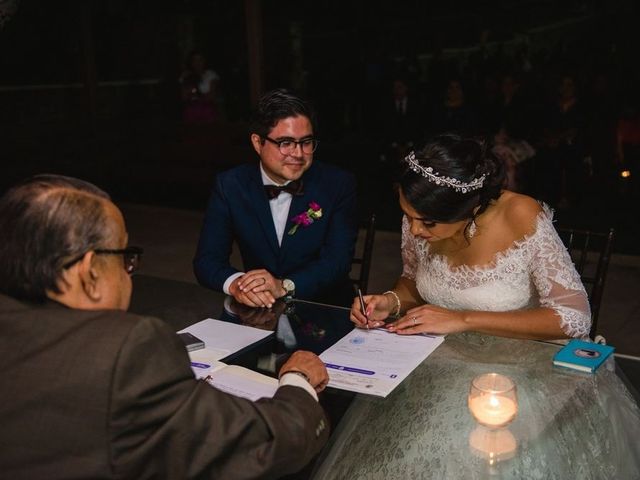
(493, 401)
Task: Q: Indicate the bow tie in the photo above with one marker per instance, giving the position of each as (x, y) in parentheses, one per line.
(294, 188)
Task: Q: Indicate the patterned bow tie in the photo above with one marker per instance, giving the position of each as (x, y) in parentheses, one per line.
(294, 188)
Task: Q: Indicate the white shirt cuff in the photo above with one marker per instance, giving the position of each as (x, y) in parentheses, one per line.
(297, 381)
(228, 281)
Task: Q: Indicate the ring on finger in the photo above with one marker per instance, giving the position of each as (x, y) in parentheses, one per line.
(414, 320)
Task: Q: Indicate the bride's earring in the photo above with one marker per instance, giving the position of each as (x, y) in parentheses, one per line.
(471, 231)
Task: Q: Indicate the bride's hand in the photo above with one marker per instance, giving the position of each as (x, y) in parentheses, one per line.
(378, 309)
(429, 319)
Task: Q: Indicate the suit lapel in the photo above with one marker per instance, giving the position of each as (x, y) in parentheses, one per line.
(261, 208)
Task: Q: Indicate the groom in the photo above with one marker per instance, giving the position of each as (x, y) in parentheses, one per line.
(293, 219)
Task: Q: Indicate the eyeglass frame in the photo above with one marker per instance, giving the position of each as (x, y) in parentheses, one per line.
(295, 143)
(131, 257)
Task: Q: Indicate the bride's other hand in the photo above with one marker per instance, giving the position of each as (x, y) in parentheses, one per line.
(378, 308)
(429, 319)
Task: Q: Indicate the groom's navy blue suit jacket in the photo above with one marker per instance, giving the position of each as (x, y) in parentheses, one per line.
(317, 257)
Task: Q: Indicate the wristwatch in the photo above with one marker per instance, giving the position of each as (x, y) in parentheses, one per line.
(289, 287)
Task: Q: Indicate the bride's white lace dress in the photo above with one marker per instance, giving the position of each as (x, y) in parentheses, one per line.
(535, 271)
(569, 425)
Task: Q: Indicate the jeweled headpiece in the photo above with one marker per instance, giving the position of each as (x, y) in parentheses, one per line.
(435, 177)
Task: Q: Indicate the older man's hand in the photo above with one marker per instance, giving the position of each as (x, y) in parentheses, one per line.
(310, 365)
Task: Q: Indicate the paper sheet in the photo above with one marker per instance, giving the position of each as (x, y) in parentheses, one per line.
(204, 362)
(221, 339)
(242, 382)
(376, 361)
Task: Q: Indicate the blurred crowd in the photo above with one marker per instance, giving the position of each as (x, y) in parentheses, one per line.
(563, 130)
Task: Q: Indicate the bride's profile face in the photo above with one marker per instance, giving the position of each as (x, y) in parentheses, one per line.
(426, 229)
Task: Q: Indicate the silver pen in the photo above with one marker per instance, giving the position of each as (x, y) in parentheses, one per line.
(363, 307)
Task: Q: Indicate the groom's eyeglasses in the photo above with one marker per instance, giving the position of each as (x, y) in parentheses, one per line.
(131, 256)
(289, 146)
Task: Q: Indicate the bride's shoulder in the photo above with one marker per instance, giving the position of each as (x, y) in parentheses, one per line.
(519, 213)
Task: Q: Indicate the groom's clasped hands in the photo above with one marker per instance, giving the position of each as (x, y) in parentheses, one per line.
(257, 288)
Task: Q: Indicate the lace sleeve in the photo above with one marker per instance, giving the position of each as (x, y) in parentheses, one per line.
(556, 279)
(409, 251)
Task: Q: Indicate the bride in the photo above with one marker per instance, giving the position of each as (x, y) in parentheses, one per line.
(476, 257)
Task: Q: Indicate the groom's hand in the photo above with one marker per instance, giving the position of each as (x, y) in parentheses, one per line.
(257, 288)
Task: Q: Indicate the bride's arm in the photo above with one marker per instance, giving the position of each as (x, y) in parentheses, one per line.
(407, 293)
(535, 324)
(405, 287)
(563, 303)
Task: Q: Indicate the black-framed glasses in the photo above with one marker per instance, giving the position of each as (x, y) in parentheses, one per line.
(289, 145)
(132, 257)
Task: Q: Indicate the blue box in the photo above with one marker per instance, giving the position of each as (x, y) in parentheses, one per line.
(583, 356)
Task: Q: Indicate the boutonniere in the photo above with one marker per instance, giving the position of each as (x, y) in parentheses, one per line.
(306, 218)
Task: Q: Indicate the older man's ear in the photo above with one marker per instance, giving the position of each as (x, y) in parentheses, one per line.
(90, 277)
(79, 284)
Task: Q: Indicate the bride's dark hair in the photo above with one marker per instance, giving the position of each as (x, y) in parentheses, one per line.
(461, 158)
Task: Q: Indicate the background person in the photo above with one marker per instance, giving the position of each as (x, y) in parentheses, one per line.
(294, 219)
(476, 257)
(90, 391)
(199, 87)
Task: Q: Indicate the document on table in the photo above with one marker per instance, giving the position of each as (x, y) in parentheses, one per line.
(233, 379)
(221, 339)
(242, 382)
(376, 361)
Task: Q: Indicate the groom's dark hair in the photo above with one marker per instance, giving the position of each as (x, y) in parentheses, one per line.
(276, 105)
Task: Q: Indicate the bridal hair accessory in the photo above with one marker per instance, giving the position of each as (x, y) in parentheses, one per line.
(435, 177)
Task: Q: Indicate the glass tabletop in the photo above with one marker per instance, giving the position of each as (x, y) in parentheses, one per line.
(569, 424)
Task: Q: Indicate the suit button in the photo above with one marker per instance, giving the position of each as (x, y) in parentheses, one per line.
(320, 428)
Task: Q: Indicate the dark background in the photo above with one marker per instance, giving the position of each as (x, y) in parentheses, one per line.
(129, 137)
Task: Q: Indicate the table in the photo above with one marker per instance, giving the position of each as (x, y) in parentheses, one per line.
(315, 326)
(569, 425)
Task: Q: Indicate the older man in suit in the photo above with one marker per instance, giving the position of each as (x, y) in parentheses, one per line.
(293, 219)
(90, 391)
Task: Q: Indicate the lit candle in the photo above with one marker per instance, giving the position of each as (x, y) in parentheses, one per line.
(493, 410)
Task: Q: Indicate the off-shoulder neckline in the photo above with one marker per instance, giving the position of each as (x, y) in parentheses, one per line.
(499, 257)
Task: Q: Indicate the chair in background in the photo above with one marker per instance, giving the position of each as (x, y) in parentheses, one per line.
(364, 260)
(590, 252)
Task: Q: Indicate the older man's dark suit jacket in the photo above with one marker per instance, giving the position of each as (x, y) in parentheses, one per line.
(317, 258)
(106, 394)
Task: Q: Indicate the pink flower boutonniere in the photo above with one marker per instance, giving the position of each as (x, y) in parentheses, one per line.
(306, 218)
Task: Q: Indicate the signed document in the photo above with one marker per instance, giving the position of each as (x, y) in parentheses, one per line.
(376, 361)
